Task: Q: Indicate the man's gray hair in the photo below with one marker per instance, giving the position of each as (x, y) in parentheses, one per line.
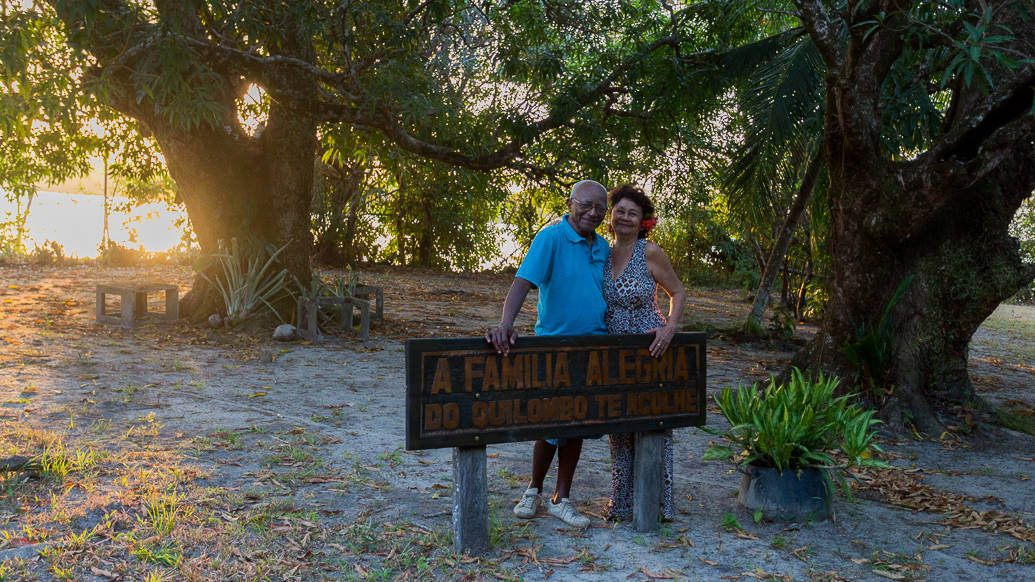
(587, 184)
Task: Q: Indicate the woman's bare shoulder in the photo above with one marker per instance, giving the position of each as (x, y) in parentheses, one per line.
(653, 250)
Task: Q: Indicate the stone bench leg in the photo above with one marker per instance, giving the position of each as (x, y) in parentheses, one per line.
(172, 304)
(129, 301)
(307, 314)
(364, 316)
(365, 291)
(379, 304)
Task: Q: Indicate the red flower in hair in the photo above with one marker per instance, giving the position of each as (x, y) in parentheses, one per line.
(649, 223)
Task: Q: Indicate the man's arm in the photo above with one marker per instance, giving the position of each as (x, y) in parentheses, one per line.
(504, 335)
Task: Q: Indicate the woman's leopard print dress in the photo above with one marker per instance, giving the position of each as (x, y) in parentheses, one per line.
(632, 307)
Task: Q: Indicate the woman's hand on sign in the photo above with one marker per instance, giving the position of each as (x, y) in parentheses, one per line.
(662, 339)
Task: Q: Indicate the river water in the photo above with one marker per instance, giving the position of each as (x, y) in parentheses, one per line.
(76, 222)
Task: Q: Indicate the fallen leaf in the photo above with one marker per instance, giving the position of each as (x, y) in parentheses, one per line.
(98, 572)
(655, 576)
(889, 575)
(980, 561)
(256, 394)
(709, 562)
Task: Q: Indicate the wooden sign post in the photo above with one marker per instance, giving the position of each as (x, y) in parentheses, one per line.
(462, 394)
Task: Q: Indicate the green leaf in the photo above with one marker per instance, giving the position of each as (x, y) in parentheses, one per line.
(717, 453)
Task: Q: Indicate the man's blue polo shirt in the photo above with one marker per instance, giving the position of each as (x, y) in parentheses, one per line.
(570, 278)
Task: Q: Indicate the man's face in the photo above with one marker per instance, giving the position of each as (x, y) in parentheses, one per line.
(586, 210)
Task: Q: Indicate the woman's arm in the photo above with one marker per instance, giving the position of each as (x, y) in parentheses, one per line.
(661, 269)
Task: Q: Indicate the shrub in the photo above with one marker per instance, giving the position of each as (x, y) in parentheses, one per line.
(795, 425)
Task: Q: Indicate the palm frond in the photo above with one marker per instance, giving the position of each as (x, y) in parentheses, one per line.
(782, 105)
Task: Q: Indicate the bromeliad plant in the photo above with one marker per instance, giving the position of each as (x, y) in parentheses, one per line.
(795, 425)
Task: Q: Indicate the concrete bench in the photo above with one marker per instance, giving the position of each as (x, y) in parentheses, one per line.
(309, 316)
(365, 291)
(133, 306)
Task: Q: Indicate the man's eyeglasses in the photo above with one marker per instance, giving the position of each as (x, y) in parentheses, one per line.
(587, 206)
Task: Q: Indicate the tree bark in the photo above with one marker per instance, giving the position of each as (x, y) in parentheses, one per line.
(941, 217)
(254, 189)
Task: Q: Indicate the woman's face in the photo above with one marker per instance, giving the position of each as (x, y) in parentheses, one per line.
(626, 217)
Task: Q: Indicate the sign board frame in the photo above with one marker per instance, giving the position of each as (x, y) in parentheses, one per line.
(550, 387)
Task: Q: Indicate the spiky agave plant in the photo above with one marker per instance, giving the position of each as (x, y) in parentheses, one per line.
(248, 283)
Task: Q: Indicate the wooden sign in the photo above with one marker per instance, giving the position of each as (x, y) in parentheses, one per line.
(461, 393)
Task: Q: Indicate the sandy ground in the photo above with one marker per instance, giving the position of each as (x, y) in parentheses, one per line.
(218, 456)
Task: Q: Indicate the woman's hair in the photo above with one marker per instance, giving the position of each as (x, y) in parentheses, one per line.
(639, 198)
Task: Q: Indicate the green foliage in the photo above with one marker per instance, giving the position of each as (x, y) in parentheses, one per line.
(53, 126)
(436, 215)
(729, 523)
(50, 253)
(525, 212)
(873, 348)
(339, 286)
(58, 461)
(703, 241)
(782, 323)
(114, 254)
(248, 280)
(794, 425)
(1023, 229)
(162, 512)
(343, 286)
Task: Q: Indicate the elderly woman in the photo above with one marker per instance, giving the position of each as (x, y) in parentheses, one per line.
(632, 274)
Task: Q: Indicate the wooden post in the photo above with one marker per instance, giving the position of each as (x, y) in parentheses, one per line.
(648, 469)
(470, 501)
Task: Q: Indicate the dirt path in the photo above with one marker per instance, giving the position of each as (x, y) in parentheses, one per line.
(172, 453)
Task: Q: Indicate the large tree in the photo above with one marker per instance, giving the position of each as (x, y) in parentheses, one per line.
(468, 84)
(922, 212)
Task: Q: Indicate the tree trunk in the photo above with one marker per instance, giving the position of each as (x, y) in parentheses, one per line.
(341, 202)
(783, 242)
(255, 190)
(940, 217)
(349, 255)
(799, 303)
(963, 259)
(426, 239)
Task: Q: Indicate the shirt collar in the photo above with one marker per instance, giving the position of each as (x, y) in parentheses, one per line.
(570, 233)
(599, 246)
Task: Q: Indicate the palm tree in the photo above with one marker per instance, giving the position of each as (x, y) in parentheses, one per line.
(775, 167)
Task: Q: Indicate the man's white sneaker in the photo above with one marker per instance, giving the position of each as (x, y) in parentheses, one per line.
(566, 512)
(530, 501)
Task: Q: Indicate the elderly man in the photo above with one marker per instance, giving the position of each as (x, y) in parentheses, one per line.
(566, 263)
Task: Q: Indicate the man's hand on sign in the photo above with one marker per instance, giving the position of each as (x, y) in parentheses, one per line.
(501, 338)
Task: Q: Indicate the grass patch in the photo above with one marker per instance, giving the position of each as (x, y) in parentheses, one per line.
(375, 550)
(1019, 419)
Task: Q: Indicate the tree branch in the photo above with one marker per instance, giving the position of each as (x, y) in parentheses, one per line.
(1011, 102)
(380, 117)
(823, 32)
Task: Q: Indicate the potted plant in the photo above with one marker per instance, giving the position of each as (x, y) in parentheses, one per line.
(785, 438)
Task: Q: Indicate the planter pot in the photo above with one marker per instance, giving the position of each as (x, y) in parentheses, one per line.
(793, 495)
